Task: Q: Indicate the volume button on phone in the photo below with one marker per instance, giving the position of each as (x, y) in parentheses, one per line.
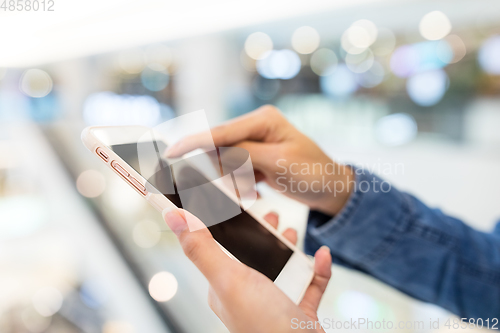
(120, 169)
(137, 185)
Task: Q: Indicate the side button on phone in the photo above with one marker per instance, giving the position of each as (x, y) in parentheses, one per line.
(120, 169)
(102, 154)
(137, 185)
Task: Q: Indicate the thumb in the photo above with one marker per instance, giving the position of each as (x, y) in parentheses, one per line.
(322, 273)
(199, 245)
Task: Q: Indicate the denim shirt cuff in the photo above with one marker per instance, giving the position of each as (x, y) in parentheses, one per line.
(366, 227)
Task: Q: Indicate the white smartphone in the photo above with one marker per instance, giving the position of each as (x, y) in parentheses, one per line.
(244, 237)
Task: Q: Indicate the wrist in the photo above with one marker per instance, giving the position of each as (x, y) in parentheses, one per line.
(337, 195)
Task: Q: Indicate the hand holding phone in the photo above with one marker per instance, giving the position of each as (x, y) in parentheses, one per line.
(135, 154)
(283, 157)
(244, 299)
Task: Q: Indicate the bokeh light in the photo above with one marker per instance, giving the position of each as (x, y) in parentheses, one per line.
(373, 77)
(434, 25)
(404, 61)
(132, 61)
(341, 83)
(91, 183)
(396, 129)
(323, 62)
(146, 234)
(155, 77)
(35, 322)
(489, 55)
(108, 108)
(305, 40)
(163, 286)
(443, 52)
(47, 301)
(385, 43)
(257, 45)
(427, 88)
(36, 83)
(457, 46)
(360, 63)
(415, 58)
(279, 64)
(359, 36)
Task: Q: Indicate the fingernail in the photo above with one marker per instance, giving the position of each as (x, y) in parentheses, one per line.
(325, 248)
(174, 220)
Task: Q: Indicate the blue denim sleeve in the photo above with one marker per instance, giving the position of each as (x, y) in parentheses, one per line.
(420, 251)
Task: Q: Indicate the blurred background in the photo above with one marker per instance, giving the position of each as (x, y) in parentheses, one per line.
(409, 89)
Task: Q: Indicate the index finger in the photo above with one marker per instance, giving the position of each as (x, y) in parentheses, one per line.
(252, 126)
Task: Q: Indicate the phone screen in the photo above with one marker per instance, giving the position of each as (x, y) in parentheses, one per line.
(244, 237)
